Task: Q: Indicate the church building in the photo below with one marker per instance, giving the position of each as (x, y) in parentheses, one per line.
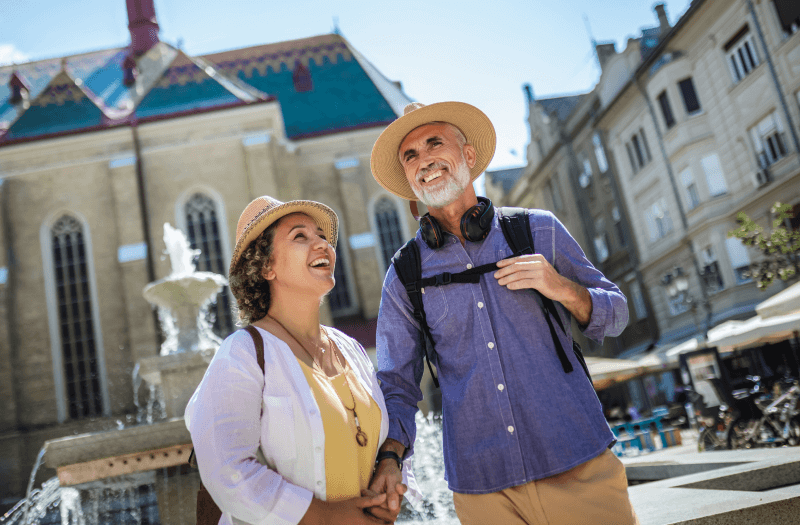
(99, 150)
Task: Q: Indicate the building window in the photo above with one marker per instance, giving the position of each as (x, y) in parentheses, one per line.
(714, 175)
(658, 220)
(741, 54)
(692, 198)
(601, 240)
(677, 304)
(639, 307)
(769, 140)
(389, 231)
(666, 109)
(340, 300)
(710, 271)
(788, 15)
(600, 153)
(76, 325)
(618, 226)
(585, 176)
(690, 100)
(203, 232)
(638, 150)
(740, 260)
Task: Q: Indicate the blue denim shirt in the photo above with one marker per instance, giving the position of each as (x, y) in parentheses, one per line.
(510, 413)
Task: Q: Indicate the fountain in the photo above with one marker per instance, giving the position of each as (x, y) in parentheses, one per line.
(139, 474)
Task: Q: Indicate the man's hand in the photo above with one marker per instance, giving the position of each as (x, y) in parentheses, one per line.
(383, 512)
(536, 273)
(388, 479)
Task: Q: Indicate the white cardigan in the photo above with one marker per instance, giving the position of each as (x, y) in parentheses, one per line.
(267, 472)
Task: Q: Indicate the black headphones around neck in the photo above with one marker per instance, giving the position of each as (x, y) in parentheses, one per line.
(475, 224)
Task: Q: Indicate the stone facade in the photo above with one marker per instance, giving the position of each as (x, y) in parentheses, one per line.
(693, 119)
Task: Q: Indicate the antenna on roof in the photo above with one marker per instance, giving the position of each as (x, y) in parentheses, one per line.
(336, 30)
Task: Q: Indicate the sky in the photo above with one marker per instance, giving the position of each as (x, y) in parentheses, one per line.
(475, 52)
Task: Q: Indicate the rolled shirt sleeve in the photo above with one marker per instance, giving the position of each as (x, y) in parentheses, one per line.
(400, 361)
(609, 306)
(224, 419)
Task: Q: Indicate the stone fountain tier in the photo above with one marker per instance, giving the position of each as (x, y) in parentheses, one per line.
(100, 455)
(178, 376)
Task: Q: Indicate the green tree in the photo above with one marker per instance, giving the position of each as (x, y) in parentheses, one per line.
(781, 248)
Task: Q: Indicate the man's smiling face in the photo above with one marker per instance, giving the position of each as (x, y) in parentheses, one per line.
(437, 163)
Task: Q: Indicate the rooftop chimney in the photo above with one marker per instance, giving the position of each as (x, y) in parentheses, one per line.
(604, 52)
(663, 22)
(142, 24)
(528, 93)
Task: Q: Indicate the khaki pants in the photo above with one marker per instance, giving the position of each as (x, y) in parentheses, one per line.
(595, 492)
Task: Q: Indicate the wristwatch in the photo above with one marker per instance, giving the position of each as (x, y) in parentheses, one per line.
(389, 455)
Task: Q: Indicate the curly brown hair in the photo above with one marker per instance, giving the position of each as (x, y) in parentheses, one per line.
(247, 283)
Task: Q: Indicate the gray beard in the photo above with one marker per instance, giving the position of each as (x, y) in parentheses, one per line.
(449, 193)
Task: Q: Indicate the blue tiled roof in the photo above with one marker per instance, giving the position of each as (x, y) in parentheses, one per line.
(340, 89)
(342, 96)
(561, 107)
(63, 106)
(184, 86)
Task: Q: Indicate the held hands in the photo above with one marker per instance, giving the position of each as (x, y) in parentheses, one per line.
(387, 481)
(348, 512)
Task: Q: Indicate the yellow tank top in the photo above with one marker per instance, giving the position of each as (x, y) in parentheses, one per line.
(348, 466)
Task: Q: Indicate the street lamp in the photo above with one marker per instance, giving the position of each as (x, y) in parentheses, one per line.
(676, 283)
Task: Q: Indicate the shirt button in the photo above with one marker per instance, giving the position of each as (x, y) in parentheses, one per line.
(469, 266)
(312, 412)
(491, 345)
(319, 483)
(236, 476)
(318, 449)
(501, 387)
(511, 429)
(480, 304)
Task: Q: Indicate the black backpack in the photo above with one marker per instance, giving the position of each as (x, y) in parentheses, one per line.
(517, 231)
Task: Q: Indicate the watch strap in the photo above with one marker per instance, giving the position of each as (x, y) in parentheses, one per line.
(388, 454)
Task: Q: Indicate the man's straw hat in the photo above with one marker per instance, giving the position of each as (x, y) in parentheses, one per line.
(263, 211)
(472, 122)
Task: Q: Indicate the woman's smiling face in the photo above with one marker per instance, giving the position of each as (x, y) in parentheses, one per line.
(302, 258)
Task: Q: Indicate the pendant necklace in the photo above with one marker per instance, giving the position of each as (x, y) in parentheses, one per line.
(361, 436)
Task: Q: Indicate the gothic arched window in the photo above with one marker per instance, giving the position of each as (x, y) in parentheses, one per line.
(389, 230)
(75, 321)
(203, 232)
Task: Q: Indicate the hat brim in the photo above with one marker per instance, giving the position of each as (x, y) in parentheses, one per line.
(475, 125)
(322, 215)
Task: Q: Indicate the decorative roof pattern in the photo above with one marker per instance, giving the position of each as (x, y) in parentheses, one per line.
(185, 86)
(343, 94)
(63, 106)
(338, 90)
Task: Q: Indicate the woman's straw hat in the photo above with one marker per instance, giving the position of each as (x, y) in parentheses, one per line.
(263, 211)
(472, 122)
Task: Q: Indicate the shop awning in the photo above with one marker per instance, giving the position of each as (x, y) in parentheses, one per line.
(782, 303)
(606, 372)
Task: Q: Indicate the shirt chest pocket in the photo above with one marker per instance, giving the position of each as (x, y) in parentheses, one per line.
(435, 303)
(278, 426)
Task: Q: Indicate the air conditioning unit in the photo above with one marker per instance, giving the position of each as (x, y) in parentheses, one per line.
(762, 177)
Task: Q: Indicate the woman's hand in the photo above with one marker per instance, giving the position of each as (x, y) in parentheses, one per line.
(347, 512)
(383, 511)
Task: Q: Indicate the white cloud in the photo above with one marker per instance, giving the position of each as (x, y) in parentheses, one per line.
(11, 55)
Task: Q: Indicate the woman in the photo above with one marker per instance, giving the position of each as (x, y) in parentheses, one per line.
(298, 442)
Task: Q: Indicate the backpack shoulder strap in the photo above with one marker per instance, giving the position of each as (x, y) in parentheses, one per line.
(517, 231)
(408, 266)
(259, 343)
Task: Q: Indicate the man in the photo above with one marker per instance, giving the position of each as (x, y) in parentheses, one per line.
(524, 441)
